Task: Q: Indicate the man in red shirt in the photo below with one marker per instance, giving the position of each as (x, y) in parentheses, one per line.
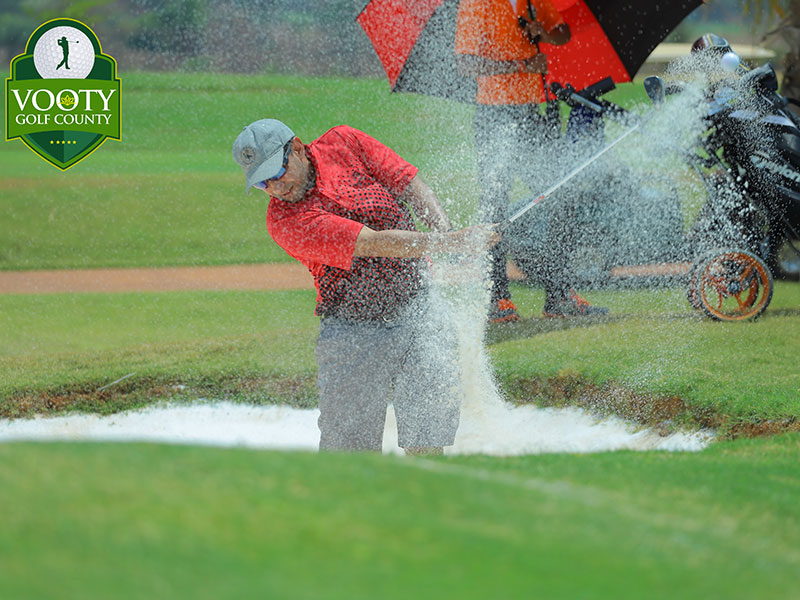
(497, 43)
(344, 206)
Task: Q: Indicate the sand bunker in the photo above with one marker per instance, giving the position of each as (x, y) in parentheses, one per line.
(499, 430)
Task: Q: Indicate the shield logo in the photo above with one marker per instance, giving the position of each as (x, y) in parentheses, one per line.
(63, 95)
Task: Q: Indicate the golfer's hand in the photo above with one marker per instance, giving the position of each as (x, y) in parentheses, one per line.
(536, 64)
(476, 239)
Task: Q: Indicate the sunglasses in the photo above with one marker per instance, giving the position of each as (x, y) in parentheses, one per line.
(287, 150)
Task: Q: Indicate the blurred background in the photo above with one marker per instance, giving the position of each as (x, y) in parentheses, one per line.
(317, 38)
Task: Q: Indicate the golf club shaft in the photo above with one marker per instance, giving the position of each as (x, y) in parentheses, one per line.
(572, 174)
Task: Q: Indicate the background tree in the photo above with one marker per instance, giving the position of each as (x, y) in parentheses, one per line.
(18, 19)
(173, 26)
(787, 15)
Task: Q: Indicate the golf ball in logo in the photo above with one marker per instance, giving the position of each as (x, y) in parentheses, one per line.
(64, 53)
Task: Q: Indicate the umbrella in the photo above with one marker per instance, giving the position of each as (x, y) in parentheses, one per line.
(415, 41)
(611, 38)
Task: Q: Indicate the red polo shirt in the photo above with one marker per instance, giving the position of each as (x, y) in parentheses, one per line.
(358, 181)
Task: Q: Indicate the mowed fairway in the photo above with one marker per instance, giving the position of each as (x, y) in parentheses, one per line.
(172, 522)
(150, 521)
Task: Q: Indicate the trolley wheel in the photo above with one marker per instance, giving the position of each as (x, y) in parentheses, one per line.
(731, 285)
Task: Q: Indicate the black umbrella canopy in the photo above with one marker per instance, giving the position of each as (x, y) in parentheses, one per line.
(635, 30)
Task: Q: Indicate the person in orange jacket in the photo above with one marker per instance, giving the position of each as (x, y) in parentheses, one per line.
(497, 42)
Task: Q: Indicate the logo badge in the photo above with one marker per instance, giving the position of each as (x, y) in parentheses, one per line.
(63, 96)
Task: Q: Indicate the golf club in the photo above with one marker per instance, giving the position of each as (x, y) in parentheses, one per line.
(572, 174)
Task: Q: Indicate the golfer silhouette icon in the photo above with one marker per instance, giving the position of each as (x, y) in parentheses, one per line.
(64, 43)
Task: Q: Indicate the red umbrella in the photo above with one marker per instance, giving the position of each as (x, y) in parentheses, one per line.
(415, 41)
(611, 38)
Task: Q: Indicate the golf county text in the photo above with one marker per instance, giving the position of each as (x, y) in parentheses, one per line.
(54, 104)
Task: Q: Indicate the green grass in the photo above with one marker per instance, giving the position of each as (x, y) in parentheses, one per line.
(208, 341)
(654, 343)
(136, 521)
(219, 343)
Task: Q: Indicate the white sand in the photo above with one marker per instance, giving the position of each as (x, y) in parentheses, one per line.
(500, 430)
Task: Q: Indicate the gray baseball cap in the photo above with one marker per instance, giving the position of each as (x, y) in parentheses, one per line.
(259, 149)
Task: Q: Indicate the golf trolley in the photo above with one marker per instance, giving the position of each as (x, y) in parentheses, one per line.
(631, 231)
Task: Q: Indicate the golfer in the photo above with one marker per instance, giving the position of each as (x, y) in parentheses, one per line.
(64, 43)
(345, 206)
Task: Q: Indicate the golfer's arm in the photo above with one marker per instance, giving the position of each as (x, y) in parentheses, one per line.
(414, 244)
(425, 205)
(399, 243)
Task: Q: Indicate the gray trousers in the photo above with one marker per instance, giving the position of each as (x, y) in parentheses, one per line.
(411, 361)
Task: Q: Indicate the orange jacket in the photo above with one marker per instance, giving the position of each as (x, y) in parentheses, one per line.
(490, 29)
